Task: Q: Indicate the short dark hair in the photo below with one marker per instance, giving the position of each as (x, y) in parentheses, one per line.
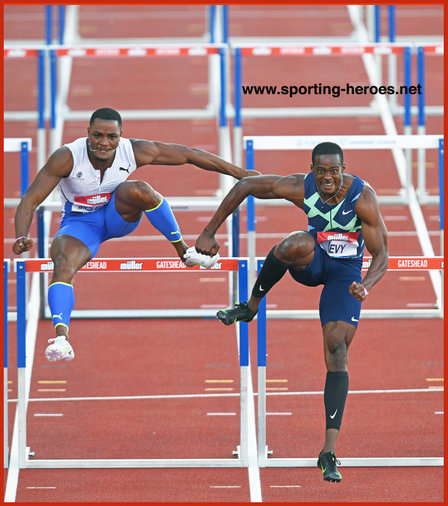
(327, 148)
(106, 113)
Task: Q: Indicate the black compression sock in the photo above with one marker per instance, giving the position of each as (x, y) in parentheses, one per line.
(335, 395)
(272, 271)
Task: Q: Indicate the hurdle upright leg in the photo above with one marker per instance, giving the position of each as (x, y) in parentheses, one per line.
(244, 369)
(261, 376)
(21, 361)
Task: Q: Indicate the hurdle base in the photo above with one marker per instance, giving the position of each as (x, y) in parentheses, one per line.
(357, 462)
(129, 463)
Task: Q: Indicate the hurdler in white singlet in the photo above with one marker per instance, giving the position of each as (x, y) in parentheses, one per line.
(82, 191)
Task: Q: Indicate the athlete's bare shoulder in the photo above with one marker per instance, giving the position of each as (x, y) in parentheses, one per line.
(291, 188)
(59, 163)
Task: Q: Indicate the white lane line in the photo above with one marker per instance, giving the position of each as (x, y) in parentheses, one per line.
(438, 412)
(278, 413)
(198, 396)
(286, 486)
(41, 488)
(221, 414)
(225, 486)
(48, 414)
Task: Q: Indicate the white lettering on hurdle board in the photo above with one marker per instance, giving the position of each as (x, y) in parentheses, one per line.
(216, 267)
(413, 263)
(47, 266)
(131, 265)
(96, 265)
(170, 264)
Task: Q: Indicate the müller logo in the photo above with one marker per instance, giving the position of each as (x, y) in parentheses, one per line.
(97, 199)
(216, 267)
(47, 266)
(338, 237)
(131, 265)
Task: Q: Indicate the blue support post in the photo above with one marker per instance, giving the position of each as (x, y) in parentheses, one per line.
(238, 87)
(61, 32)
(222, 73)
(211, 21)
(261, 327)
(392, 28)
(40, 233)
(421, 82)
(237, 123)
(236, 233)
(24, 167)
(407, 82)
(5, 312)
(5, 365)
(53, 88)
(48, 24)
(41, 89)
(377, 22)
(21, 314)
(244, 326)
(250, 198)
(225, 23)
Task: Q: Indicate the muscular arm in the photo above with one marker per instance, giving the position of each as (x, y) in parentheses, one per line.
(375, 237)
(264, 187)
(58, 166)
(159, 153)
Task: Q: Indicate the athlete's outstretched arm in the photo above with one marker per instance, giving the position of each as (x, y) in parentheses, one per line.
(59, 165)
(375, 237)
(160, 153)
(264, 187)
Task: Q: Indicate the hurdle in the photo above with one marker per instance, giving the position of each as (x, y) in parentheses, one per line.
(392, 142)
(141, 265)
(264, 453)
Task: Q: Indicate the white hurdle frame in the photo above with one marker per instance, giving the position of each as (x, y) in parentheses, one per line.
(308, 142)
(264, 459)
(145, 265)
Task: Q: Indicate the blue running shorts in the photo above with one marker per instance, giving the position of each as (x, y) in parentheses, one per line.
(96, 227)
(336, 274)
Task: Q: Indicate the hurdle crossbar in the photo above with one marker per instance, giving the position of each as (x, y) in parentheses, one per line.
(24, 266)
(264, 458)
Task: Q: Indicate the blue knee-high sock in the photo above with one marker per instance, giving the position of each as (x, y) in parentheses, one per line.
(162, 218)
(61, 300)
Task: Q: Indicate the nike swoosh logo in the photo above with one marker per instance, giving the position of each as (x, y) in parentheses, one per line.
(347, 212)
(334, 414)
(354, 319)
(261, 289)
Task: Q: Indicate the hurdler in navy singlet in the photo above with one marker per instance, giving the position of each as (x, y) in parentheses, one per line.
(337, 228)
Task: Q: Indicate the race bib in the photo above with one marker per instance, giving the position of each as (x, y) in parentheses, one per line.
(90, 203)
(339, 244)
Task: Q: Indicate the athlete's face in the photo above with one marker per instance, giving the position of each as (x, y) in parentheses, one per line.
(103, 138)
(328, 172)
